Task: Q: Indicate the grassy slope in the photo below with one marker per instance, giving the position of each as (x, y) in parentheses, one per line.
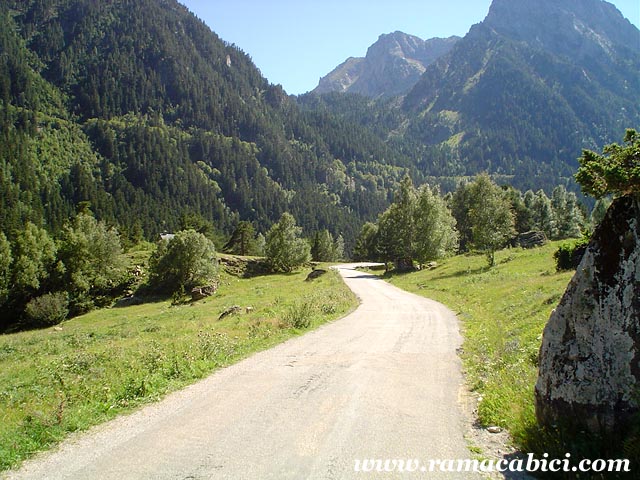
(503, 311)
(59, 380)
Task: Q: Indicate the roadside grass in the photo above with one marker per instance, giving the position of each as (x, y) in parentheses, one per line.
(91, 368)
(503, 311)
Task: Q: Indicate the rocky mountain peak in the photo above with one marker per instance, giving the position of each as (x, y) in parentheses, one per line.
(392, 66)
(569, 27)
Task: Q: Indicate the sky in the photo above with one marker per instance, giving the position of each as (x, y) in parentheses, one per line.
(295, 42)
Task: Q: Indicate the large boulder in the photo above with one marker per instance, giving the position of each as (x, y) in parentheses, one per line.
(589, 364)
(529, 239)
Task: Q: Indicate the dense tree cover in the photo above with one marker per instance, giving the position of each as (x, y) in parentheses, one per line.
(140, 109)
(560, 218)
(421, 225)
(614, 172)
(417, 226)
(42, 277)
(285, 249)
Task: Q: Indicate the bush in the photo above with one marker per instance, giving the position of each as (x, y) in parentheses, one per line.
(187, 260)
(569, 255)
(299, 314)
(48, 309)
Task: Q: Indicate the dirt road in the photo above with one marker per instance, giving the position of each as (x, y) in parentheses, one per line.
(381, 383)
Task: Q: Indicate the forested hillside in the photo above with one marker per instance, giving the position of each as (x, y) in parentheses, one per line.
(139, 109)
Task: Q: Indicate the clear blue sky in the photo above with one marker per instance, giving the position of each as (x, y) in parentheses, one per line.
(295, 42)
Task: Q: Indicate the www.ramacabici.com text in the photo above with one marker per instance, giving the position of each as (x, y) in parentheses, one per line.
(528, 464)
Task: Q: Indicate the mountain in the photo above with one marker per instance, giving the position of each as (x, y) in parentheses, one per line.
(139, 109)
(519, 96)
(531, 86)
(392, 66)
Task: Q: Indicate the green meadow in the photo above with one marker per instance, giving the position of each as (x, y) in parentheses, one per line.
(89, 369)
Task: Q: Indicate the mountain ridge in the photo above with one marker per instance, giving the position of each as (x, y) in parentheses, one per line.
(520, 95)
(392, 65)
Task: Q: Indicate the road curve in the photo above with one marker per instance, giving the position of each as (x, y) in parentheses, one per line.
(383, 382)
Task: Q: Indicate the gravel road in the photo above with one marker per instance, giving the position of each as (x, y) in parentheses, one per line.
(383, 382)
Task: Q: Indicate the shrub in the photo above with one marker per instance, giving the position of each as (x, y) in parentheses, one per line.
(299, 314)
(48, 309)
(569, 255)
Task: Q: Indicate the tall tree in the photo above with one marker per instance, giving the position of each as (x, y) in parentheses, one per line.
(285, 249)
(396, 229)
(184, 261)
(523, 215)
(338, 248)
(365, 248)
(569, 218)
(92, 257)
(242, 241)
(461, 204)
(544, 217)
(6, 259)
(435, 232)
(35, 255)
(322, 248)
(492, 221)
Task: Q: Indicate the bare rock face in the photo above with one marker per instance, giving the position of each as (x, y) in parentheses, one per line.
(392, 66)
(589, 364)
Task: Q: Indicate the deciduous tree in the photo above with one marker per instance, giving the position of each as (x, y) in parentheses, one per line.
(186, 260)
(492, 221)
(285, 249)
(435, 232)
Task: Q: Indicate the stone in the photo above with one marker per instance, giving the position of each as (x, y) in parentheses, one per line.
(494, 430)
(200, 293)
(230, 311)
(589, 362)
(529, 239)
(317, 273)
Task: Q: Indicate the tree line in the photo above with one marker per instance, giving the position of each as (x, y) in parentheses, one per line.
(421, 225)
(45, 279)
